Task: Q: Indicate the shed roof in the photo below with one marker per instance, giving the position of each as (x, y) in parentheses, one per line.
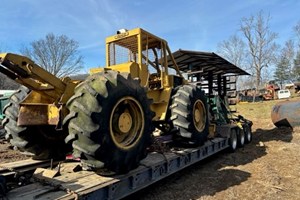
(189, 61)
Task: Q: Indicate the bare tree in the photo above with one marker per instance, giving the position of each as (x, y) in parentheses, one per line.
(297, 32)
(56, 54)
(288, 51)
(261, 43)
(234, 50)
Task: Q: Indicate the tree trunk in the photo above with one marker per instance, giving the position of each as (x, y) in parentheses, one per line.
(257, 83)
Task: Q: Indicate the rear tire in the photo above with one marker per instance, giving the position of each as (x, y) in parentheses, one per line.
(240, 137)
(233, 140)
(110, 121)
(189, 115)
(248, 133)
(43, 142)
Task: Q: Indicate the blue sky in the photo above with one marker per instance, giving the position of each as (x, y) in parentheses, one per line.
(186, 24)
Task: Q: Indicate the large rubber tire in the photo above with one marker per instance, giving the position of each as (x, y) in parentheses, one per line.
(233, 140)
(95, 125)
(248, 133)
(43, 142)
(189, 114)
(240, 137)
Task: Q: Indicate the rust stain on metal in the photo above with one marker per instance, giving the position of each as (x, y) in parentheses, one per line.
(286, 113)
(38, 114)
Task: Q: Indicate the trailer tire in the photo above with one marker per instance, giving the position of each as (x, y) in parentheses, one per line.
(110, 122)
(240, 137)
(248, 133)
(189, 115)
(233, 140)
(32, 139)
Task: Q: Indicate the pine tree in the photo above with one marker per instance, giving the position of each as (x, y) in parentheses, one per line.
(282, 72)
(296, 67)
(284, 67)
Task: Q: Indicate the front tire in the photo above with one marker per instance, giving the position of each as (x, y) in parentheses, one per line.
(110, 121)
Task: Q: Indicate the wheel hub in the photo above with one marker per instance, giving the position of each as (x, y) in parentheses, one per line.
(125, 122)
(199, 113)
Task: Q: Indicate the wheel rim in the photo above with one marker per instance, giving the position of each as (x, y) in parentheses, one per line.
(199, 115)
(126, 122)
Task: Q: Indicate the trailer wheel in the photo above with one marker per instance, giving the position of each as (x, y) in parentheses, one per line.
(248, 133)
(32, 139)
(233, 140)
(240, 137)
(189, 115)
(110, 121)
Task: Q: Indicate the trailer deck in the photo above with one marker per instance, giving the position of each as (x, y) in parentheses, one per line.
(88, 184)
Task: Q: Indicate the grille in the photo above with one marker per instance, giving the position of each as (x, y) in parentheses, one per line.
(123, 51)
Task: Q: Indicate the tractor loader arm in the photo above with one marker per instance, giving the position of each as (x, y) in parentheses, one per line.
(27, 73)
(48, 93)
(35, 113)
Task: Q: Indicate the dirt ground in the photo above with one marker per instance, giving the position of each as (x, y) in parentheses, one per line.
(8, 154)
(267, 168)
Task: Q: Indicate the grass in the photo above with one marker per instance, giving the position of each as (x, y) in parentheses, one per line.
(260, 112)
(256, 110)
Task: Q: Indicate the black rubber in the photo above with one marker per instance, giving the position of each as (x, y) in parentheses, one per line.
(43, 142)
(248, 133)
(233, 140)
(240, 137)
(182, 115)
(88, 121)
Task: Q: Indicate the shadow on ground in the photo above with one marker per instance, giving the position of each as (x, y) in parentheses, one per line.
(213, 175)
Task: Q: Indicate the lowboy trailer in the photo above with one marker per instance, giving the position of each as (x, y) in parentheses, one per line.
(155, 167)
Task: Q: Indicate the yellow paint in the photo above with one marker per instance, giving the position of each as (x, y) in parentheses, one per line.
(125, 122)
(53, 113)
(160, 103)
(138, 43)
(240, 125)
(96, 70)
(126, 126)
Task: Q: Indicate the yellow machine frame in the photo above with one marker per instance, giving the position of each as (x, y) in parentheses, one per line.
(138, 44)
